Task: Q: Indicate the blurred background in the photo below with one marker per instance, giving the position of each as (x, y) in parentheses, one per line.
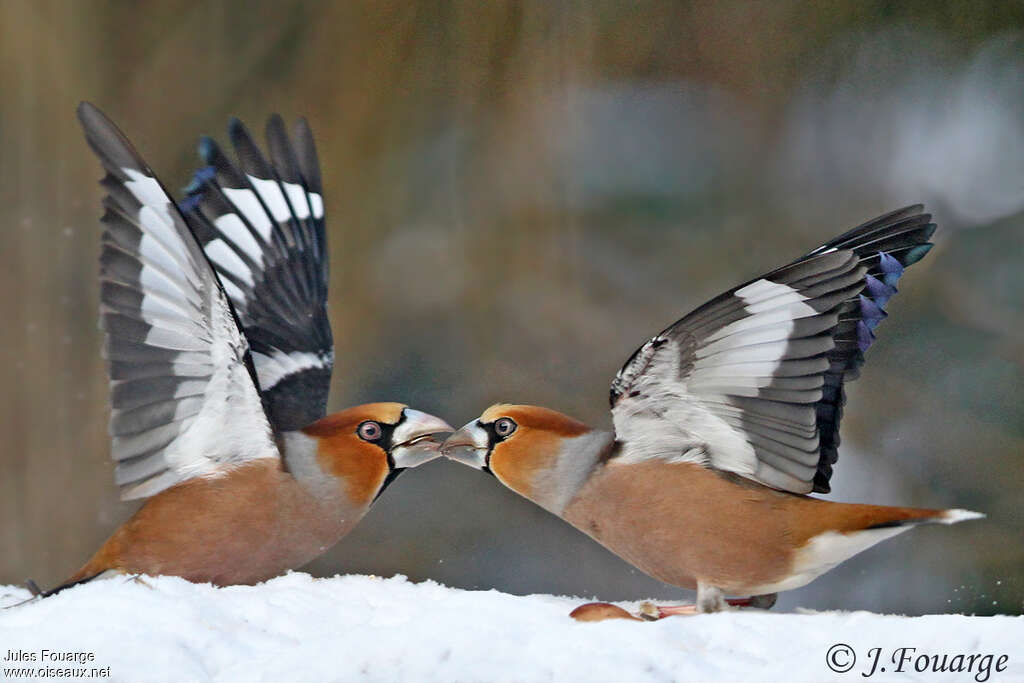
(519, 195)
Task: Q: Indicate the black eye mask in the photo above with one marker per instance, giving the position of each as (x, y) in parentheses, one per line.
(493, 439)
(385, 443)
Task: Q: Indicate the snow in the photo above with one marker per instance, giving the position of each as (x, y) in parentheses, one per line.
(297, 628)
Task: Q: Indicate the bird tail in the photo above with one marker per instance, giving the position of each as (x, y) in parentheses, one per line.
(817, 516)
(70, 583)
(836, 532)
(95, 568)
(912, 516)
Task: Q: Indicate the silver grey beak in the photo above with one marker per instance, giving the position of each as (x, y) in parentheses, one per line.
(469, 446)
(418, 438)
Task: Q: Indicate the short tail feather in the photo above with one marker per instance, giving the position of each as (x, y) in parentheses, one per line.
(75, 580)
(844, 529)
(928, 517)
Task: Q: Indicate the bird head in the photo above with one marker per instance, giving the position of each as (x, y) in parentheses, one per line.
(537, 452)
(368, 445)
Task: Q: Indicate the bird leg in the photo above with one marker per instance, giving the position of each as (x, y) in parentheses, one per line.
(599, 611)
(652, 611)
(22, 602)
(710, 598)
(766, 601)
(34, 589)
(137, 578)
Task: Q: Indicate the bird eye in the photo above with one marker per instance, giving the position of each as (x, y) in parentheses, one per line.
(369, 431)
(504, 426)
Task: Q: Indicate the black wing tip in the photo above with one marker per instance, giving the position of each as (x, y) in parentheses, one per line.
(251, 159)
(909, 211)
(108, 142)
(302, 132)
(87, 110)
(240, 136)
(309, 160)
(911, 229)
(917, 253)
(207, 149)
(236, 127)
(904, 220)
(906, 217)
(282, 150)
(275, 122)
(96, 123)
(302, 127)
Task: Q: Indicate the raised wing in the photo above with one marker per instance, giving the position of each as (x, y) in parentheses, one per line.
(184, 398)
(262, 226)
(752, 381)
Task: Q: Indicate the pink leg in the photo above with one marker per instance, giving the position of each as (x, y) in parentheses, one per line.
(662, 611)
(599, 611)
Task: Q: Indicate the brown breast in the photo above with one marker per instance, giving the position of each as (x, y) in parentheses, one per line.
(680, 522)
(244, 527)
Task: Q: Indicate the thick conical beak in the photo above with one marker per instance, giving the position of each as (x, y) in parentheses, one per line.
(469, 445)
(417, 438)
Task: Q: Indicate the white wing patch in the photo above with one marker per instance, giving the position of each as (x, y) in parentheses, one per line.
(260, 222)
(230, 426)
(689, 415)
(233, 291)
(765, 363)
(228, 261)
(152, 197)
(675, 426)
(232, 227)
(297, 198)
(210, 417)
(247, 202)
(270, 192)
(317, 202)
(271, 369)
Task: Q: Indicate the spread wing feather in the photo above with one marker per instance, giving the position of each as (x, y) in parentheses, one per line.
(261, 223)
(752, 381)
(184, 396)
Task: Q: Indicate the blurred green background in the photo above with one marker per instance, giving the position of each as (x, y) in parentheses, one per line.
(520, 194)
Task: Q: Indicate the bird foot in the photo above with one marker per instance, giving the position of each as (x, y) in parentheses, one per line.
(137, 578)
(765, 602)
(648, 611)
(22, 602)
(34, 589)
(654, 612)
(662, 611)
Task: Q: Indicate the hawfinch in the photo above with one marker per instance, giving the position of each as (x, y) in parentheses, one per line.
(220, 357)
(723, 423)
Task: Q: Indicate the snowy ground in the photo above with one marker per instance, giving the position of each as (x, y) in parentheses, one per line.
(296, 628)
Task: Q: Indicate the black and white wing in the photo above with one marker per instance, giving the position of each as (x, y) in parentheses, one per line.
(752, 381)
(184, 398)
(261, 224)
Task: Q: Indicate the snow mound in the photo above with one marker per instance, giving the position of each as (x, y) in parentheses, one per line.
(297, 628)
